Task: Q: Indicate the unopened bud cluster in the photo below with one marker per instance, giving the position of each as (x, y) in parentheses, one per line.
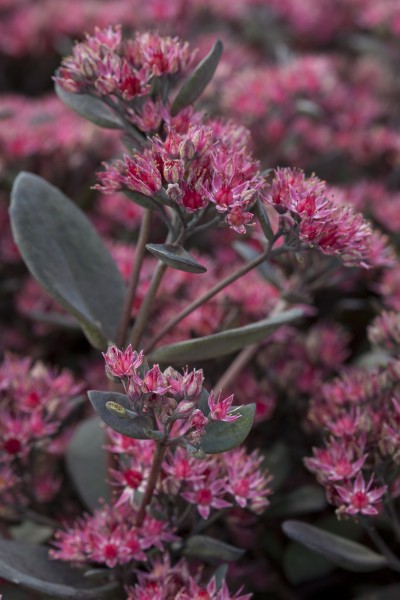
(105, 64)
(197, 165)
(171, 400)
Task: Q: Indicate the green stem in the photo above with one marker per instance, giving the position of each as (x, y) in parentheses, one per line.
(151, 483)
(147, 304)
(134, 277)
(205, 297)
(237, 365)
(244, 357)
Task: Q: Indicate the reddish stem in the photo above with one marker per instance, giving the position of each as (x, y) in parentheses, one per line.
(134, 278)
(151, 483)
(205, 297)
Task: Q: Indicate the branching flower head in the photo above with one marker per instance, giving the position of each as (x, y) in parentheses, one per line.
(308, 210)
(194, 167)
(109, 537)
(360, 497)
(170, 400)
(105, 64)
(168, 582)
(122, 363)
(35, 402)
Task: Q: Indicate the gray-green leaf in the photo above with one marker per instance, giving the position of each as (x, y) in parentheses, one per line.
(91, 108)
(28, 566)
(66, 255)
(263, 219)
(303, 500)
(142, 200)
(343, 552)
(301, 564)
(195, 85)
(86, 462)
(175, 257)
(221, 436)
(225, 342)
(266, 270)
(210, 549)
(132, 427)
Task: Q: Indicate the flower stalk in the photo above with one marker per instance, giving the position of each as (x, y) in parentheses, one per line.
(158, 458)
(134, 278)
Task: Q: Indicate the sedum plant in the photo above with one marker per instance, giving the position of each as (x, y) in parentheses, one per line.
(171, 445)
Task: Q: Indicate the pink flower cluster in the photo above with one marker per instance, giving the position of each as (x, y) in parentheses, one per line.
(322, 20)
(233, 478)
(359, 414)
(167, 582)
(29, 26)
(168, 397)
(297, 362)
(110, 537)
(194, 166)
(384, 331)
(307, 209)
(106, 65)
(311, 110)
(377, 200)
(220, 481)
(389, 288)
(34, 403)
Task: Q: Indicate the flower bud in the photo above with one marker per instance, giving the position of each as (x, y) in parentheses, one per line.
(154, 381)
(198, 420)
(187, 150)
(122, 363)
(173, 171)
(172, 143)
(193, 383)
(174, 192)
(88, 68)
(184, 410)
(175, 381)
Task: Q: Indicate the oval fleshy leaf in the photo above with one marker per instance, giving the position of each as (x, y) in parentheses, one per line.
(28, 566)
(210, 549)
(263, 219)
(202, 402)
(197, 82)
(343, 552)
(221, 436)
(91, 108)
(65, 254)
(266, 270)
(277, 459)
(175, 257)
(132, 427)
(220, 575)
(31, 532)
(54, 318)
(225, 342)
(86, 462)
(301, 565)
(303, 500)
(142, 200)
